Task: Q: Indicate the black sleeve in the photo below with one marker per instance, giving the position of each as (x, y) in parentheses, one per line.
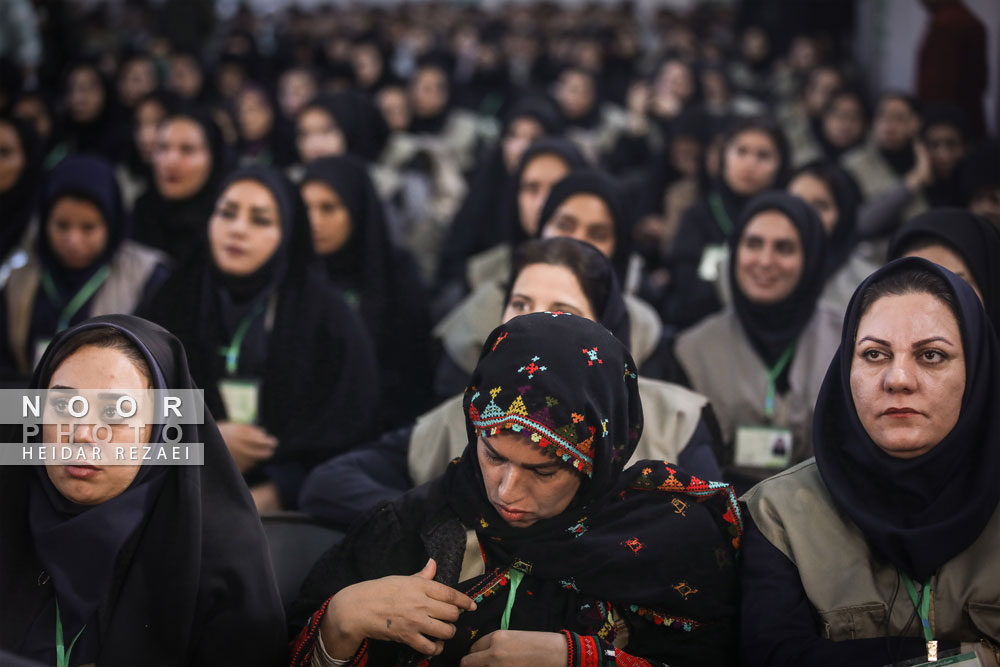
(348, 485)
(780, 626)
(698, 455)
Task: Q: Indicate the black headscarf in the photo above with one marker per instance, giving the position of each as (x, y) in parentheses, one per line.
(772, 327)
(917, 513)
(969, 235)
(105, 134)
(177, 226)
(151, 572)
(594, 182)
(17, 204)
(944, 191)
(90, 178)
(313, 363)
(364, 264)
(567, 385)
(361, 123)
(847, 196)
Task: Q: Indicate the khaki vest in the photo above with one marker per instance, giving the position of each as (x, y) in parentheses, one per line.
(874, 176)
(720, 362)
(131, 267)
(670, 412)
(851, 587)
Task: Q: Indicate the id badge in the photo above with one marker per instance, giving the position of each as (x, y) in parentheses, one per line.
(240, 398)
(763, 447)
(969, 659)
(40, 347)
(712, 259)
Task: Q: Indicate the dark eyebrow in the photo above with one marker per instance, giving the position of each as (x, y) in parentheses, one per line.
(879, 341)
(919, 343)
(526, 466)
(61, 387)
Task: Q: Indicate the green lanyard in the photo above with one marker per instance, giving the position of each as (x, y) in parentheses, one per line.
(62, 655)
(923, 604)
(515, 580)
(76, 303)
(772, 378)
(232, 351)
(722, 218)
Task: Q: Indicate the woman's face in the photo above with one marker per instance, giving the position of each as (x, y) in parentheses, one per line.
(945, 147)
(541, 288)
(539, 175)
(184, 77)
(12, 158)
(908, 373)
(296, 88)
(523, 483)
(394, 106)
(575, 94)
(94, 368)
(429, 92)
(675, 80)
(769, 258)
(816, 193)
(254, 114)
(182, 161)
(245, 230)
(584, 217)
(945, 256)
(521, 132)
(84, 96)
(751, 162)
(896, 124)
(138, 78)
(319, 135)
(844, 122)
(77, 232)
(148, 116)
(329, 218)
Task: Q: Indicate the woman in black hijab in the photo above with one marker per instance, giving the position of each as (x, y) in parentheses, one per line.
(962, 242)
(282, 358)
(761, 361)
(754, 158)
(91, 122)
(338, 123)
(188, 161)
(901, 499)
(84, 264)
(560, 529)
(120, 564)
(480, 222)
(20, 181)
(351, 237)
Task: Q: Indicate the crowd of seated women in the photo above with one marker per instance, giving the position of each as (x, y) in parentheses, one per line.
(604, 340)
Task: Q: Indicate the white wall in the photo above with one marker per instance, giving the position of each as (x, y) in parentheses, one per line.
(888, 39)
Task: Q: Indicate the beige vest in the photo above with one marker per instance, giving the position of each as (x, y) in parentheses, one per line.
(131, 267)
(720, 362)
(851, 587)
(671, 414)
(874, 176)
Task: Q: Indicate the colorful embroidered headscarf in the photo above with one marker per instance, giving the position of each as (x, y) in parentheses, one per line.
(653, 542)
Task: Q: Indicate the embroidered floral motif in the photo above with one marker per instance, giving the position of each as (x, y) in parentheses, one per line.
(523, 566)
(499, 338)
(679, 506)
(634, 544)
(579, 529)
(685, 590)
(532, 367)
(592, 356)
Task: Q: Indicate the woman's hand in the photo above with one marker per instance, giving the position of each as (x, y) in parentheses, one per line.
(922, 174)
(266, 497)
(413, 610)
(512, 648)
(248, 444)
